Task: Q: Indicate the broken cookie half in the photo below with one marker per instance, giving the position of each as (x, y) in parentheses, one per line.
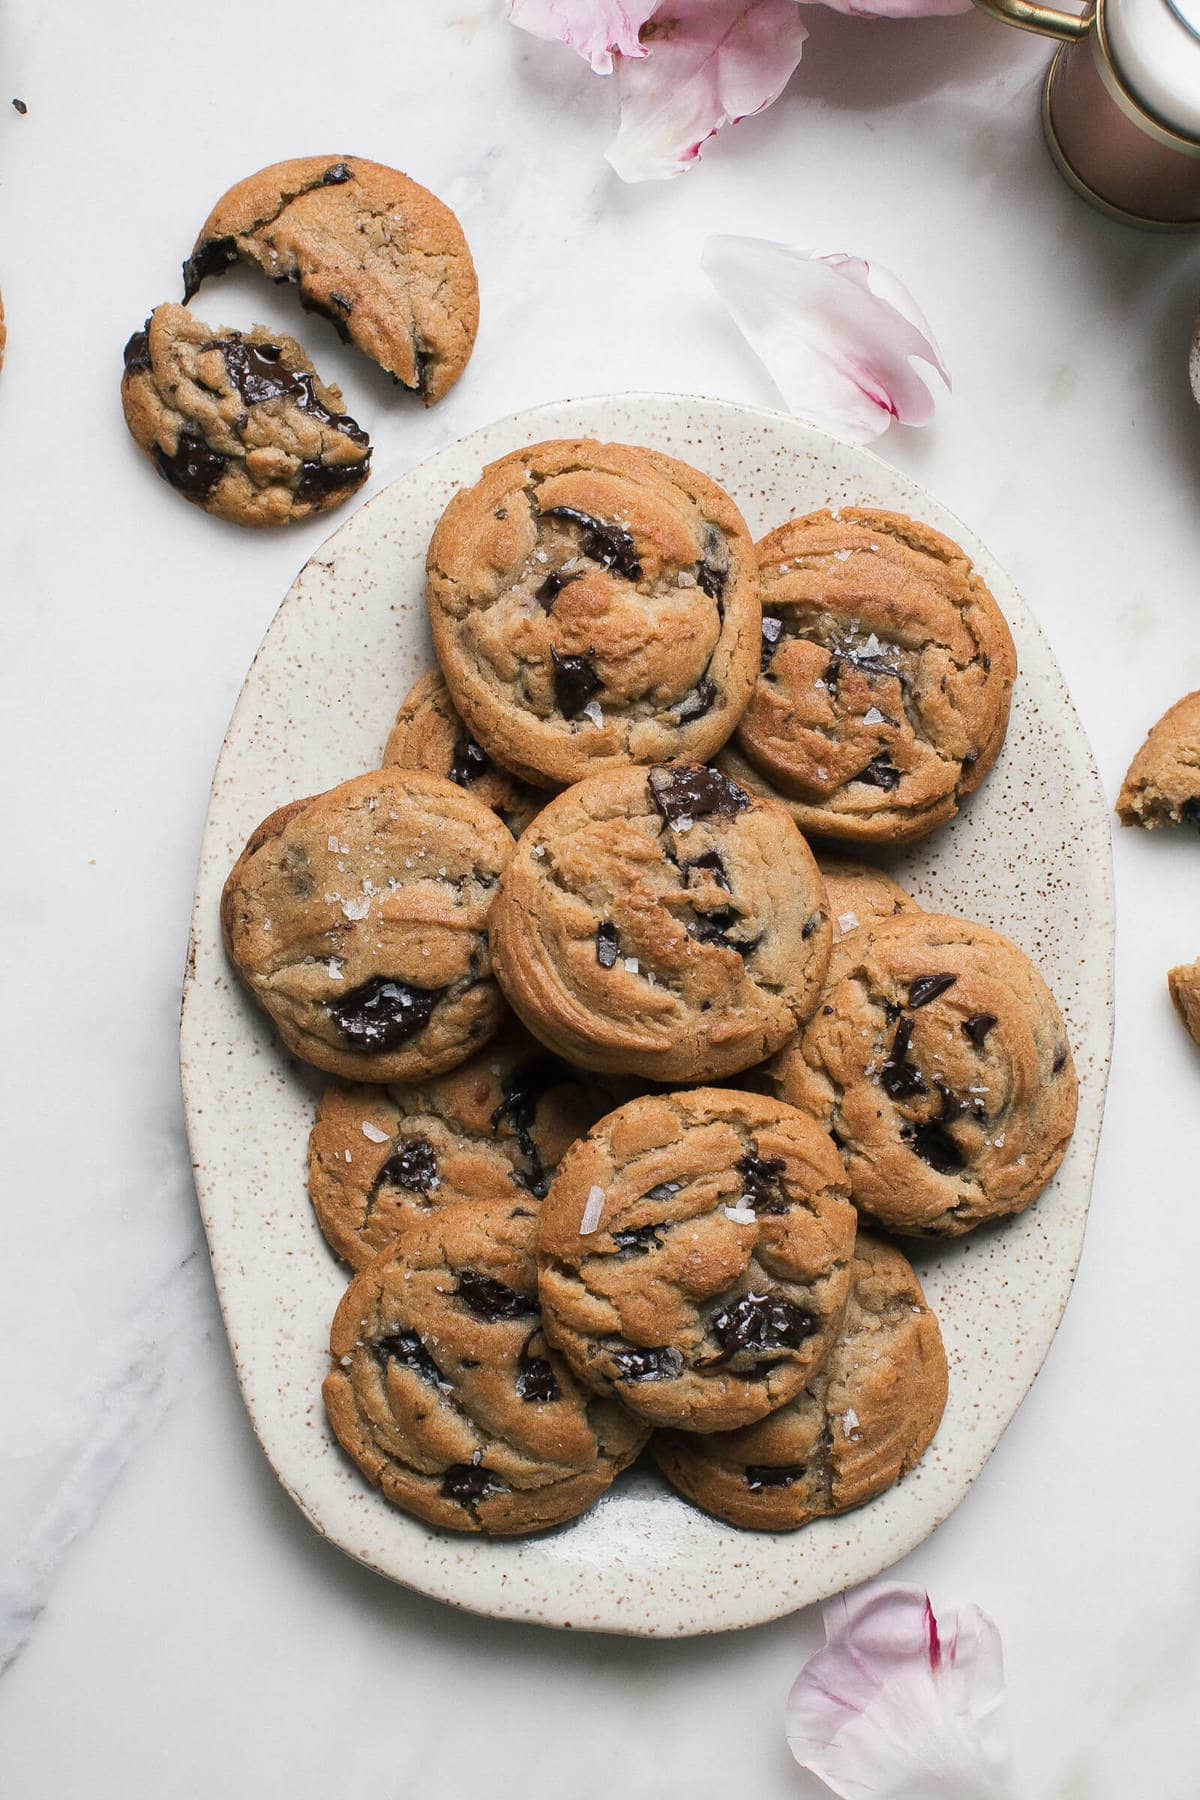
(1162, 786)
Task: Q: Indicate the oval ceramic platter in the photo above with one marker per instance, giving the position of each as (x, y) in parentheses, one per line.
(1029, 855)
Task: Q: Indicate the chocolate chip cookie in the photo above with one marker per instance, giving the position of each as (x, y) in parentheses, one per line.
(428, 734)
(239, 423)
(593, 605)
(379, 256)
(694, 1255)
(1163, 783)
(493, 1129)
(357, 919)
(940, 1062)
(445, 1393)
(662, 923)
(864, 1420)
(859, 891)
(1183, 985)
(887, 670)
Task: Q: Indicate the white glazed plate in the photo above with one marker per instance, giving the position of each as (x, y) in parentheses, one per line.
(1029, 855)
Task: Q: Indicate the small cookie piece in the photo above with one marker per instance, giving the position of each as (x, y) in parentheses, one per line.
(357, 919)
(939, 1061)
(887, 671)
(377, 254)
(859, 891)
(428, 734)
(1183, 984)
(445, 1393)
(694, 1256)
(493, 1129)
(239, 423)
(864, 1421)
(661, 923)
(1163, 783)
(594, 605)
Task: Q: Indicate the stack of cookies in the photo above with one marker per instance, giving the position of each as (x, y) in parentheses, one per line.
(632, 1093)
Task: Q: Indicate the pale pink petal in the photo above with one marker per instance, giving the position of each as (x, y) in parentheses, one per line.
(710, 63)
(594, 29)
(839, 336)
(902, 1705)
(896, 9)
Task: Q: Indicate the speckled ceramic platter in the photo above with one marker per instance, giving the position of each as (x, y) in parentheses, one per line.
(1030, 855)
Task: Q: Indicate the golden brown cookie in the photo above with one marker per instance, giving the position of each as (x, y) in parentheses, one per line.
(940, 1062)
(358, 918)
(858, 892)
(445, 1393)
(864, 1420)
(694, 1253)
(594, 605)
(377, 254)
(239, 423)
(1163, 783)
(661, 923)
(493, 1129)
(428, 734)
(1184, 986)
(887, 671)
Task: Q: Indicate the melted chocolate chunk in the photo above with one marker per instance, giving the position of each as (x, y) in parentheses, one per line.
(697, 703)
(381, 1013)
(715, 927)
(934, 1145)
(772, 631)
(977, 1027)
(759, 1322)
(760, 1177)
(575, 682)
(335, 175)
(318, 480)
(517, 1111)
(406, 1347)
(258, 373)
(210, 258)
(467, 1482)
(711, 863)
(712, 581)
(880, 772)
(1060, 1061)
(927, 987)
(194, 469)
(760, 1475)
(536, 1381)
(606, 544)
(468, 762)
(491, 1300)
(898, 1078)
(647, 1365)
(664, 1190)
(551, 588)
(695, 793)
(414, 1166)
(810, 925)
(638, 1242)
(137, 353)
(341, 302)
(608, 942)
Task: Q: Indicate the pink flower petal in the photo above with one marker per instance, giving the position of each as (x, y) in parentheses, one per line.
(902, 1705)
(710, 63)
(594, 29)
(837, 335)
(895, 9)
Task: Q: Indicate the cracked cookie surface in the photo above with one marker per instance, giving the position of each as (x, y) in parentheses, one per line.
(859, 892)
(593, 605)
(1162, 786)
(662, 923)
(887, 672)
(1183, 984)
(493, 1129)
(446, 1394)
(864, 1421)
(428, 734)
(239, 423)
(372, 251)
(939, 1060)
(694, 1256)
(357, 919)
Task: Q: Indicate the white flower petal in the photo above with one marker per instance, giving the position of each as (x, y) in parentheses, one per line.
(838, 335)
(592, 28)
(710, 63)
(901, 1705)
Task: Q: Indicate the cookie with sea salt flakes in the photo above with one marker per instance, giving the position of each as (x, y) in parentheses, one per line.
(445, 1393)
(358, 921)
(887, 671)
(858, 892)
(694, 1256)
(862, 1423)
(663, 923)
(1162, 786)
(428, 734)
(594, 605)
(495, 1128)
(939, 1061)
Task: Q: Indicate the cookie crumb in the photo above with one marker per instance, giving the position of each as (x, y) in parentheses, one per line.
(20, 106)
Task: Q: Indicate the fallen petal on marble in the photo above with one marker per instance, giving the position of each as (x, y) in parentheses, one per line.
(839, 336)
(594, 29)
(902, 1705)
(895, 9)
(710, 63)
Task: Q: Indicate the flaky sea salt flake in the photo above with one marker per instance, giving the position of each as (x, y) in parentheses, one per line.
(592, 1211)
(373, 1132)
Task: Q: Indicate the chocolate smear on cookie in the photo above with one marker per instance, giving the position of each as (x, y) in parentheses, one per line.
(382, 1013)
(695, 793)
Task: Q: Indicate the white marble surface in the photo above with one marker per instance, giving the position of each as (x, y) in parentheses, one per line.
(171, 1624)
